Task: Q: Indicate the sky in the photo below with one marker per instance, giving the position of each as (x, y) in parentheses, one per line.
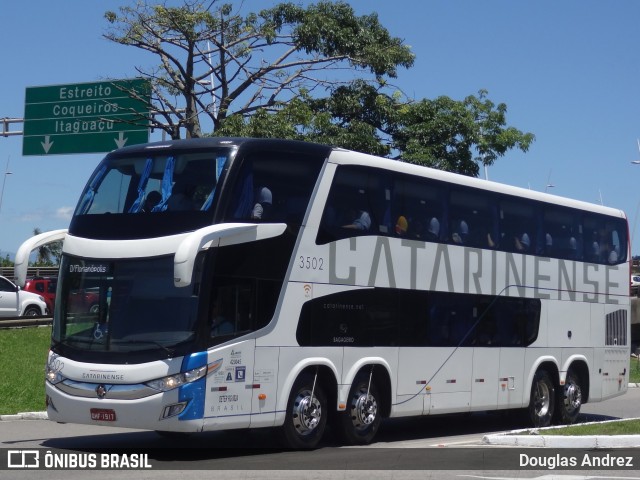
(568, 72)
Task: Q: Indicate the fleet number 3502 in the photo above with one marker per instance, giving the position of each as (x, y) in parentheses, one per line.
(311, 263)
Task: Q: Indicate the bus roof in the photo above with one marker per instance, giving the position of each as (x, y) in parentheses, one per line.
(348, 157)
(216, 142)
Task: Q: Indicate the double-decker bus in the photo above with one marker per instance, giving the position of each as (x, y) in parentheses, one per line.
(246, 283)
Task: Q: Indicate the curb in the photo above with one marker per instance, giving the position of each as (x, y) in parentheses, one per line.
(25, 416)
(535, 438)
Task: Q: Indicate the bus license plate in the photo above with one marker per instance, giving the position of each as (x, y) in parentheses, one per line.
(103, 415)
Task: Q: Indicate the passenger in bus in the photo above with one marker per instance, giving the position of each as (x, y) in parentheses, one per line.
(262, 208)
(362, 220)
(608, 252)
(221, 324)
(152, 199)
(573, 249)
(181, 197)
(548, 245)
(461, 233)
(433, 231)
(594, 254)
(522, 243)
(402, 226)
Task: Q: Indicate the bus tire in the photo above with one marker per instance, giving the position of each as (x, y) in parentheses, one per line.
(570, 399)
(306, 415)
(542, 400)
(359, 423)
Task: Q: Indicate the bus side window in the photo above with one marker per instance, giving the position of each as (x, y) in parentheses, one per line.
(351, 209)
(518, 232)
(472, 219)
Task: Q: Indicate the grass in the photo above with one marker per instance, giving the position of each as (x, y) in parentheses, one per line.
(634, 370)
(622, 427)
(23, 355)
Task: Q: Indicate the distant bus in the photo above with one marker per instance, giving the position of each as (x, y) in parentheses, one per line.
(246, 283)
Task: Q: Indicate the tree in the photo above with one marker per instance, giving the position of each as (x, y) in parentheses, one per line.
(49, 254)
(443, 133)
(457, 136)
(6, 261)
(318, 73)
(252, 63)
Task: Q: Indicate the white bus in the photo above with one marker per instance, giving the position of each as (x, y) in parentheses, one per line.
(245, 283)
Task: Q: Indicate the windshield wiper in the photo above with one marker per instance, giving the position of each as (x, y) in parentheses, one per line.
(168, 350)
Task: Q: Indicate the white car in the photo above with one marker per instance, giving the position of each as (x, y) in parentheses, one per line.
(635, 284)
(15, 302)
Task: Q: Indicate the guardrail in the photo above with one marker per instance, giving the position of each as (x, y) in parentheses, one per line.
(15, 322)
(9, 272)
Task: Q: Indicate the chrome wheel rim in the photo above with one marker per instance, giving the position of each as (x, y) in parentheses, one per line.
(307, 413)
(364, 410)
(572, 396)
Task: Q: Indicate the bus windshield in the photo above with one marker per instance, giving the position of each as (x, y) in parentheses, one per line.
(154, 184)
(124, 306)
(151, 193)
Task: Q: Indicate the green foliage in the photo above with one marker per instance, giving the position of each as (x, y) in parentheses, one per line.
(49, 254)
(443, 133)
(457, 136)
(6, 262)
(280, 73)
(634, 370)
(259, 61)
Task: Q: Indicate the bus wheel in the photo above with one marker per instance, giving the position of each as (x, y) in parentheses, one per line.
(306, 415)
(542, 401)
(570, 401)
(360, 421)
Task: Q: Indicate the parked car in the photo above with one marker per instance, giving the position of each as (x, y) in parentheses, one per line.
(45, 286)
(635, 284)
(81, 301)
(84, 301)
(15, 302)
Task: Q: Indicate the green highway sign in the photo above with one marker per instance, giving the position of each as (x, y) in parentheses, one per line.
(85, 117)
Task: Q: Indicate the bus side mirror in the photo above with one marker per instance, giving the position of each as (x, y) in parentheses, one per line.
(217, 236)
(22, 257)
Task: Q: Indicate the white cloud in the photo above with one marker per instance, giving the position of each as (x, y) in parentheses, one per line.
(64, 213)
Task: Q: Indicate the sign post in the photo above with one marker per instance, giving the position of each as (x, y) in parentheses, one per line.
(85, 117)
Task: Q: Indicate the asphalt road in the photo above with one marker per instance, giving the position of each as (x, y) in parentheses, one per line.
(404, 449)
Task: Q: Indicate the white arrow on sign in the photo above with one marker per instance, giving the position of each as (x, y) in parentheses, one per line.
(120, 141)
(46, 144)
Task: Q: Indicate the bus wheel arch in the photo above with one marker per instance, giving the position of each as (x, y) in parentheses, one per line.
(368, 402)
(573, 393)
(542, 399)
(307, 407)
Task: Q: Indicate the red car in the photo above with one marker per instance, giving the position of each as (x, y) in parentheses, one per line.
(83, 301)
(44, 286)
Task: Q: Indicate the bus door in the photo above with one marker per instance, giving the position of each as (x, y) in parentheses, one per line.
(264, 386)
(229, 392)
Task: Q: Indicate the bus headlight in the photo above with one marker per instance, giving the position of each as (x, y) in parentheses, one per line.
(52, 376)
(174, 381)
